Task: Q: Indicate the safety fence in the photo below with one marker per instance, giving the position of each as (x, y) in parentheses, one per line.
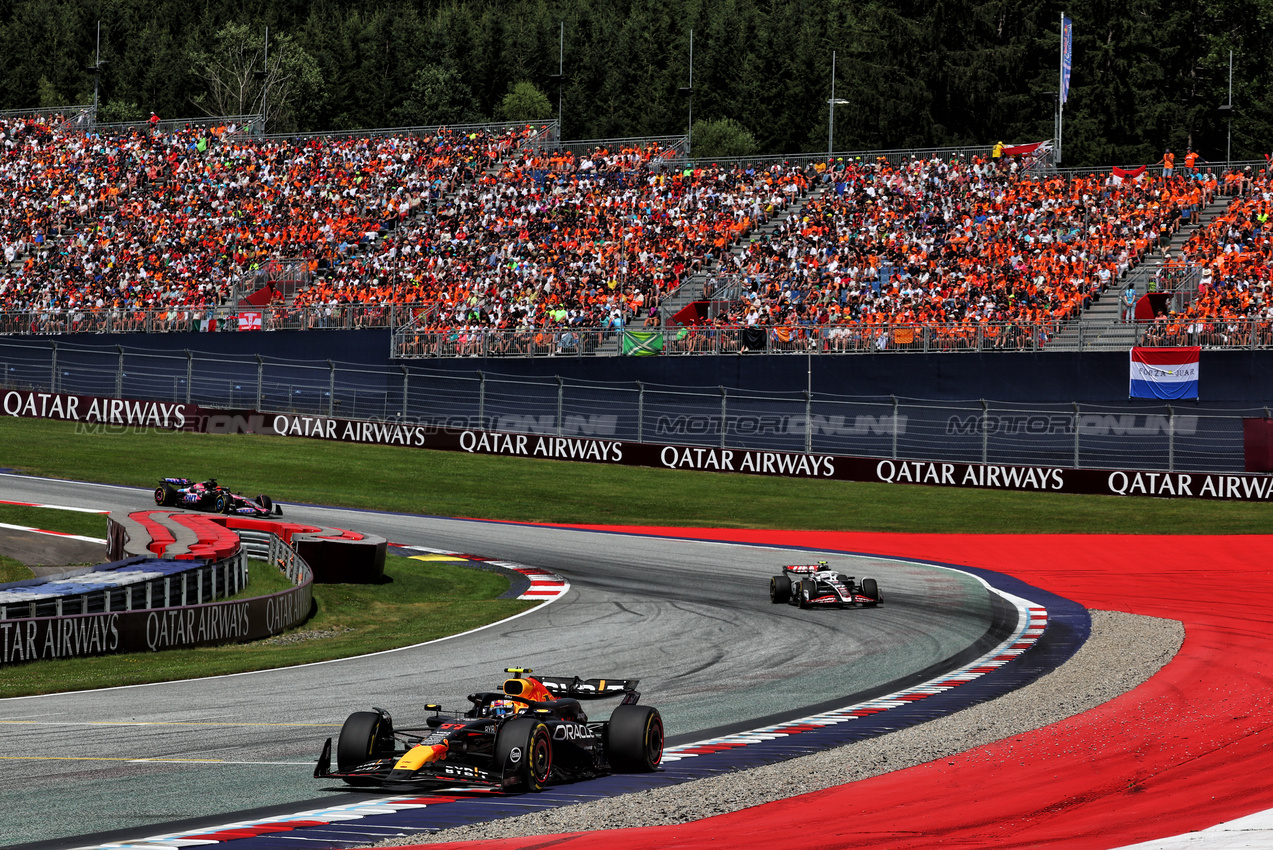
(136, 618)
(346, 316)
(192, 583)
(1131, 435)
(412, 340)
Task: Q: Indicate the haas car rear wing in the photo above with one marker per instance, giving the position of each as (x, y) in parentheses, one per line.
(804, 569)
(573, 686)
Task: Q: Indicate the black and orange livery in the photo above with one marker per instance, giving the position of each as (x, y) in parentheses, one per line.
(531, 732)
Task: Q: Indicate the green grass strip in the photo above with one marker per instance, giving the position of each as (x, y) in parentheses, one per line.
(458, 484)
(12, 570)
(52, 519)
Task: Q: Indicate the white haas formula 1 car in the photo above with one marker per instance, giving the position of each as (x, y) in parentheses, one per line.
(816, 585)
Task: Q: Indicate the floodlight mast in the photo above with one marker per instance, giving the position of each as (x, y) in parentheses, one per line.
(831, 105)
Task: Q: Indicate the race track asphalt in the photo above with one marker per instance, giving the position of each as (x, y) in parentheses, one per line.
(690, 619)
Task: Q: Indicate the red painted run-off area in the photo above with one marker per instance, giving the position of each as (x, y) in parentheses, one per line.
(1187, 750)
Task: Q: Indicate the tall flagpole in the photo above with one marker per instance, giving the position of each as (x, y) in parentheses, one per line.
(1060, 100)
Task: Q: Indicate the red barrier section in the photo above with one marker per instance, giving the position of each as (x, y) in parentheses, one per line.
(215, 540)
(1187, 750)
(283, 529)
(160, 537)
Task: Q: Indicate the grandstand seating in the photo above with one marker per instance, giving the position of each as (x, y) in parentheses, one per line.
(471, 232)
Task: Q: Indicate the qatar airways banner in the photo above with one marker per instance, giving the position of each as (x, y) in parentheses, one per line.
(211, 624)
(1191, 485)
(32, 404)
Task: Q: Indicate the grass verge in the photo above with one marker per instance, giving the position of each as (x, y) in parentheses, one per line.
(457, 484)
(420, 601)
(11, 570)
(52, 519)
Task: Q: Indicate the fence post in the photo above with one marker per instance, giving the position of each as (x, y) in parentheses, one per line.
(189, 373)
(1076, 435)
(808, 421)
(561, 392)
(53, 369)
(331, 388)
(481, 400)
(406, 379)
(119, 373)
(641, 412)
(985, 431)
(724, 407)
(895, 408)
(260, 379)
(1171, 439)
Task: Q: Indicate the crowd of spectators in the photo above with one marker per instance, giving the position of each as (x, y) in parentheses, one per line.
(148, 221)
(563, 240)
(931, 241)
(473, 232)
(1228, 299)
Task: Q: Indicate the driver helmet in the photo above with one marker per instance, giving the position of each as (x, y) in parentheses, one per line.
(503, 708)
(823, 566)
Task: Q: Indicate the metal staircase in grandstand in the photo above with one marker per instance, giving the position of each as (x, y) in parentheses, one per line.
(1099, 327)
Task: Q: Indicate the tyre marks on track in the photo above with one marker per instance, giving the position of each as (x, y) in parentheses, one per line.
(998, 671)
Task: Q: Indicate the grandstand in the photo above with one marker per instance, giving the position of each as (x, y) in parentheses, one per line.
(500, 239)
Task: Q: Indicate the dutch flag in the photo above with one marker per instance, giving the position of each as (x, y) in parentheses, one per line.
(1165, 373)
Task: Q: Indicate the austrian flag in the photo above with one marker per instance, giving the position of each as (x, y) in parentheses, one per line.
(1164, 372)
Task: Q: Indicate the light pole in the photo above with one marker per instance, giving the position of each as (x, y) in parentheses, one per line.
(560, 77)
(265, 83)
(96, 68)
(689, 90)
(831, 105)
(1227, 112)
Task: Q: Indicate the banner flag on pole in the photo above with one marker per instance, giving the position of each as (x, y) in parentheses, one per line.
(642, 343)
(1121, 174)
(1165, 373)
(1067, 56)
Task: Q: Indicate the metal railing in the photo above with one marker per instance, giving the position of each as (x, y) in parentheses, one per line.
(47, 111)
(894, 156)
(544, 133)
(268, 546)
(249, 124)
(1211, 333)
(195, 586)
(413, 339)
(416, 342)
(216, 319)
(1133, 434)
(674, 148)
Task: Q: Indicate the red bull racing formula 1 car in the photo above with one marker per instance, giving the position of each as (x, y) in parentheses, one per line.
(531, 732)
(816, 585)
(211, 496)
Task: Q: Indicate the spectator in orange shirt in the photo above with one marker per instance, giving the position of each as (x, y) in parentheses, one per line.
(1168, 163)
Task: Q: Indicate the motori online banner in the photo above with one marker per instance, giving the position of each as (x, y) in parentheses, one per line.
(103, 412)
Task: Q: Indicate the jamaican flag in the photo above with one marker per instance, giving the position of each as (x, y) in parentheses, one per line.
(642, 343)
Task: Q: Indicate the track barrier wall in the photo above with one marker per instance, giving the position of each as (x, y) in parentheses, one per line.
(1140, 434)
(181, 626)
(975, 469)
